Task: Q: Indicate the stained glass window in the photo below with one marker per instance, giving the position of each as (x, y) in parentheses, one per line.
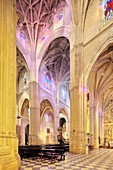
(60, 16)
(50, 23)
(63, 93)
(47, 81)
(43, 36)
(22, 35)
(108, 9)
(47, 117)
(29, 112)
(25, 78)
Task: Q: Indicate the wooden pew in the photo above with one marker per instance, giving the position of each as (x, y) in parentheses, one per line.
(52, 154)
(48, 151)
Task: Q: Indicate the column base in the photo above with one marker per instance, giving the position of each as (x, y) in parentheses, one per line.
(96, 143)
(96, 146)
(9, 157)
(77, 144)
(9, 162)
(34, 140)
(78, 150)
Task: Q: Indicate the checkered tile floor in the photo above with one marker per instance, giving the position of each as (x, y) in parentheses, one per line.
(101, 159)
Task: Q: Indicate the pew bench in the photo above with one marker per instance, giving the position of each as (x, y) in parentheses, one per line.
(52, 152)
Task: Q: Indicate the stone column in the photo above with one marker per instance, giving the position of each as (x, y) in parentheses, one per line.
(9, 158)
(34, 113)
(77, 134)
(96, 127)
(91, 122)
(77, 112)
(57, 112)
(77, 109)
(22, 134)
(24, 123)
(77, 131)
(68, 129)
(102, 129)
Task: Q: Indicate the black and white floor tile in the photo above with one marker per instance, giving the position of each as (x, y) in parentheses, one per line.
(101, 159)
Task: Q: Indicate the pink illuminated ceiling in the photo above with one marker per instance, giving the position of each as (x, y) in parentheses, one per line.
(35, 14)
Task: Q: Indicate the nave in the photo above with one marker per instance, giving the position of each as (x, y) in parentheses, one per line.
(100, 159)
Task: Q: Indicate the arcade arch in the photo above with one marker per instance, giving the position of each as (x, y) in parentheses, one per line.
(47, 128)
(100, 83)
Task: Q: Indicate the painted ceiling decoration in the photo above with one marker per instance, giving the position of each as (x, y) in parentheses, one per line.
(34, 15)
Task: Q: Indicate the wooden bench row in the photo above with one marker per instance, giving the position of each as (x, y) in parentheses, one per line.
(52, 152)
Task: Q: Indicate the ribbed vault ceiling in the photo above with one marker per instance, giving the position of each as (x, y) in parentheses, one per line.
(103, 77)
(57, 60)
(35, 14)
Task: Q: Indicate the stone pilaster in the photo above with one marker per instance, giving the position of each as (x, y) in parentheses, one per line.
(9, 158)
(34, 113)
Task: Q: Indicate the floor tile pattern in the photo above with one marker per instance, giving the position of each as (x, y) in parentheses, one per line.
(101, 159)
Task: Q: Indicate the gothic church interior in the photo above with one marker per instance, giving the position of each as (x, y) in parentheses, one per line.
(56, 68)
